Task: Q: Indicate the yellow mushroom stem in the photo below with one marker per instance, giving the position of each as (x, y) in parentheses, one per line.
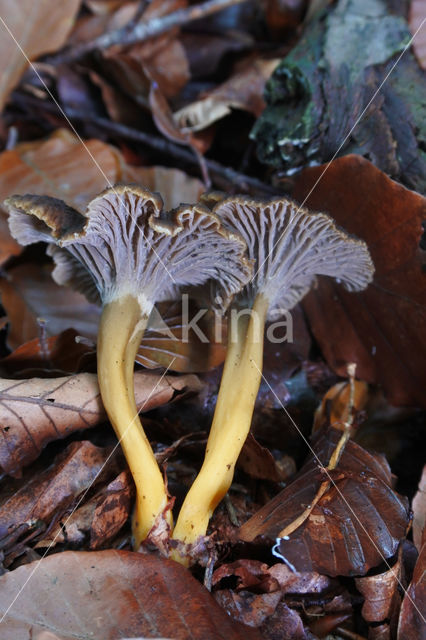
(121, 329)
(231, 423)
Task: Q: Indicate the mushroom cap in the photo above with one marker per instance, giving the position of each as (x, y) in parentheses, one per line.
(290, 246)
(125, 243)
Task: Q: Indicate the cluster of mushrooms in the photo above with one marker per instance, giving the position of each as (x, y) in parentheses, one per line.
(258, 258)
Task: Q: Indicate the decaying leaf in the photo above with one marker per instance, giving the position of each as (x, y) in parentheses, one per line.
(38, 28)
(243, 90)
(52, 491)
(357, 523)
(381, 595)
(102, 516)
(106, 595)
(381, 329)
(412, 617)
(419, 511)
(258, 462)
(35, 412)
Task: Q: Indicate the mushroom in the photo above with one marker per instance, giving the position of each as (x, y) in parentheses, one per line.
(289, 246)
(125, 252)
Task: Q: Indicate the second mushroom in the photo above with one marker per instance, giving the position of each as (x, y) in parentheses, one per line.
(126, 253)
(289, 246)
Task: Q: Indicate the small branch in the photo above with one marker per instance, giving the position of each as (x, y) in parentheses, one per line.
(141, 31)
(225, 178)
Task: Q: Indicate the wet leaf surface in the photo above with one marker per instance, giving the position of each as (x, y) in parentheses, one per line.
(103, 595)
(380, 328)
(335, 539)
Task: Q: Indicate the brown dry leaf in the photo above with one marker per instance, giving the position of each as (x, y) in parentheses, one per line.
(64, 168)
(37, 27)
(381, 596)
(102, 516)
(356, 524)
(37, 411)
(243, 90)
(419, 511)
(170, 340)
(246, 607)
(258, 462)
(417, 24)
(411, 625)
(334, 406)
(382, 328)
(58, 355)
(30, 298)
(54, 489)
(103, 595)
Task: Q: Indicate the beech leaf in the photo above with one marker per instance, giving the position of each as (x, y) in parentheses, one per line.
(382, 328)
(356, 524)
(37, 411)
(106, 595)
(39, 27)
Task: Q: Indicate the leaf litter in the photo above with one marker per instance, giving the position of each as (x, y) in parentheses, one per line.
(165, 112)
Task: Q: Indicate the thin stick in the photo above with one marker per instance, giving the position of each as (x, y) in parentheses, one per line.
(142, 31)
(223, 177)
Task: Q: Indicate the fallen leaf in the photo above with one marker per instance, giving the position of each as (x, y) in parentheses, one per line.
(31, 298)
(249, 608)
(381, 595)
(60, 355)
(357, 523)
(103, 595)
(416, 21)
(258, 462)
(381, 329)
(54, 489)
(243, 90)
(172, 342)
(419, 511)
(35, 28)
(411, 623)
(37, 411)
(102, 516)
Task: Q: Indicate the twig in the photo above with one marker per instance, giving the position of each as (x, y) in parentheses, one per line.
(142, 30)
(223, 177)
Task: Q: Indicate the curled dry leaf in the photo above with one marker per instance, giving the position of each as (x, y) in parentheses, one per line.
(416, 21)
(37, 411)
(381, 595)
(243, 90)
(412, 617)
(38, 28)
(52, 491)
(356, 524)
(258, 462)
(102, 516)
(103, 595)
(419, 511)
(381, 329)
